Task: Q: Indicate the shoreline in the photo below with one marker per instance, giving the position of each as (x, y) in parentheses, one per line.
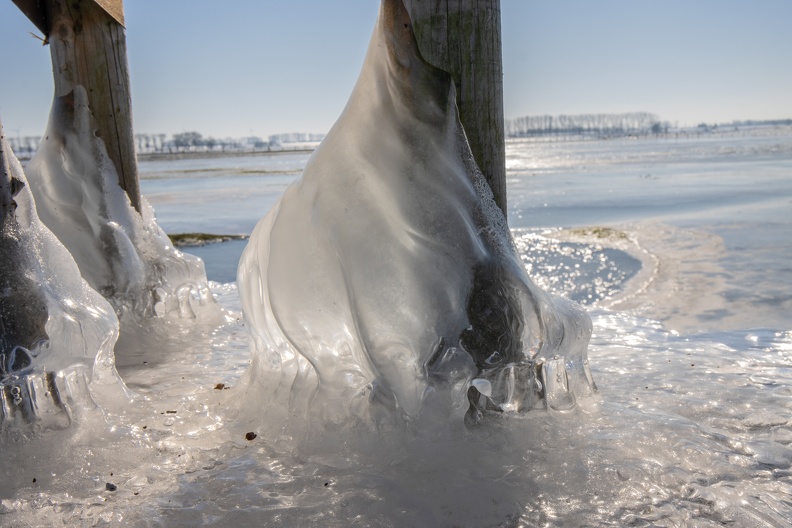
(168, 156)
(191, 240)
(174, 156)
(683, 282)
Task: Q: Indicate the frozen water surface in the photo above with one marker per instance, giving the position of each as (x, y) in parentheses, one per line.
(691, 350)
(686, 430)
(253, 185)
(691, 425)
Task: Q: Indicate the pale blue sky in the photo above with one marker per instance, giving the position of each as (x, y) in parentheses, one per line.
(262, 67)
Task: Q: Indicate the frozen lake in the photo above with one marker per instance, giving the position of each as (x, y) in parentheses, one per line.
(688, 281)
(719, 201)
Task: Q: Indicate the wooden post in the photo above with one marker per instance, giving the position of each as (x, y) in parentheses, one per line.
(88, 48)
(463, 37)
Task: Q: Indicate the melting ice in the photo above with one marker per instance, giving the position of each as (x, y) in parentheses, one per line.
(56, 346)
(685, 430)
(385, 279)
(122, 254)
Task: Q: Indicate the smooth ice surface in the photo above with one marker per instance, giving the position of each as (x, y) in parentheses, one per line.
(122, 254)
(688, 428)
(385, 279)
(685, 431)
(56, 333)
(718, 204)
(253, 184)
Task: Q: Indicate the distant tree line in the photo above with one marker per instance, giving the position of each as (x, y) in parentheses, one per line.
(295, 137)
(195, 142)
(595, 125)
(766, 122)
(25, 146)
(601, 125)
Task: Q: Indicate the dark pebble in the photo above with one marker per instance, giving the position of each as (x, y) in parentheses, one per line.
(109, 486)
(220, 386)
(250, 436)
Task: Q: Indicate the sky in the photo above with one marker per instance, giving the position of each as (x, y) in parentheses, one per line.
(261, 67)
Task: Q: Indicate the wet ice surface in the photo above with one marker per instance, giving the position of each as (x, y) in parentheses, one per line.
(722, 204)
(584, 273)
(384, 285)
(121, 253)
(56, 333)
(686, 430)
(691, 428)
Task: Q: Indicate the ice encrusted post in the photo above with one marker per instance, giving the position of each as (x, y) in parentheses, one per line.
(88, 47)
(384, 285)
(56, 332)
(84, 173)
(463, 37)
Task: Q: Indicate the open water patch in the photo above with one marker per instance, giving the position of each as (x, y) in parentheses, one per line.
(586, 273)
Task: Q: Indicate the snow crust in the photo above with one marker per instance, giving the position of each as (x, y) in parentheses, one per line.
(385, 282)
(122, 254)
(56, 345)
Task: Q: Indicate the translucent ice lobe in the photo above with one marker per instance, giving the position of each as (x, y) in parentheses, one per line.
(57, 332)
(387, 274)
(23, 310)
(122, 254)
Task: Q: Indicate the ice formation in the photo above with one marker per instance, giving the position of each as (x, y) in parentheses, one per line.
(385, 281)
(122, 254)
(56, 333)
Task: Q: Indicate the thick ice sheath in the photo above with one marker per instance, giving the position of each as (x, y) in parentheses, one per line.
(122, 254)
(387, 274)
(56, 333)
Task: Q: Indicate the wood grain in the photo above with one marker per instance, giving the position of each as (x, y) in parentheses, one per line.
(463, 37)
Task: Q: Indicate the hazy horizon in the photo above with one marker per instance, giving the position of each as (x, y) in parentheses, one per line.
(208, 135)
(257, 68)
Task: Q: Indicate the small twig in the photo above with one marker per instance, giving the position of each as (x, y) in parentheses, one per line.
(44, 41)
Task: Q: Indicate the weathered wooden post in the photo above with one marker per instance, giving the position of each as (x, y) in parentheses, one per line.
(88, 47)
(463, 37)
